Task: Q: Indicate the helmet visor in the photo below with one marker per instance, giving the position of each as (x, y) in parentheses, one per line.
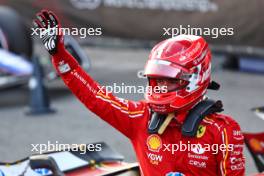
(162, 68)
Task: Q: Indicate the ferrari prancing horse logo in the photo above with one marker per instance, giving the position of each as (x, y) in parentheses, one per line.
(201, 130)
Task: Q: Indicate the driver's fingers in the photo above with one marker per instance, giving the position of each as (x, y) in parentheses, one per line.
(46, 15)
(53, 18)
(42, 20)
(36, 24)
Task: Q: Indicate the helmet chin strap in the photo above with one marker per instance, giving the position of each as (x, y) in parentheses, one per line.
(159, 122)
(166, 122)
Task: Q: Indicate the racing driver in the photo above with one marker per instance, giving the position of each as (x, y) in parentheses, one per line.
(174, 132)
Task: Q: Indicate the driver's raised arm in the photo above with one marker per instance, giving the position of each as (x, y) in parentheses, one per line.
(117, 112)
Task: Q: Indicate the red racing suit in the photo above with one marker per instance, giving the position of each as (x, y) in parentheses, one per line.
(217, 149)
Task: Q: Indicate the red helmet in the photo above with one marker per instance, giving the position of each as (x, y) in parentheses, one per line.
(185, 63)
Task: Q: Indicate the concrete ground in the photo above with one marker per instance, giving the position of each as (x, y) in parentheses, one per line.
(72, 123)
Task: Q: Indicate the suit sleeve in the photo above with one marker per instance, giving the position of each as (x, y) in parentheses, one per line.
(116, 111)
(231, 160)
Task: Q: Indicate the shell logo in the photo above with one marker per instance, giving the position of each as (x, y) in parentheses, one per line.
(154, 143)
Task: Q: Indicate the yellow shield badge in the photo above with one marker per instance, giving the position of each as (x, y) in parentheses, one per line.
(200, 132)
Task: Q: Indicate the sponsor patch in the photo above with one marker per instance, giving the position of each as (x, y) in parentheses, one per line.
(237, 134)
(201, 157)
(198, 149)
(201, 131)
(239, 166)
(200, 164)
(234, 160)
(175, 174)
(154, 143)
(64, 67)
(154, 158)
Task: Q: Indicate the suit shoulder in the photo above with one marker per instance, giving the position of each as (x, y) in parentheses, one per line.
(220, 121)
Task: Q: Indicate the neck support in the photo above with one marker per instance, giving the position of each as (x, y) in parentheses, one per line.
(193, 119)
